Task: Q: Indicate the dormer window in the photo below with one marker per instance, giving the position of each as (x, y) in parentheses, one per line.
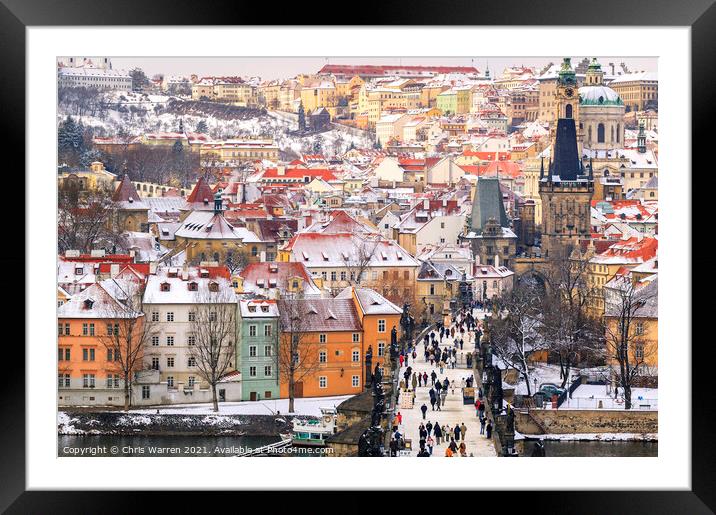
(264, 309)
(204, 273)
(164, 287)
(193, 286)
(213, 286)
(89, 303)
(252, 309)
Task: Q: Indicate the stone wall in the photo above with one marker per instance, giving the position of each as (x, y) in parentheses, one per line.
(563, 421)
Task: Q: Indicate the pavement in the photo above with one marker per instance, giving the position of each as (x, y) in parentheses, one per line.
(453, 412)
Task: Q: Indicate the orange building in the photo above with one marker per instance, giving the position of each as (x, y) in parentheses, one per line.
(378, 316)
(88, 373)
(329, 347)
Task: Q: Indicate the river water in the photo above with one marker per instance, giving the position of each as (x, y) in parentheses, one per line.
(555, 449)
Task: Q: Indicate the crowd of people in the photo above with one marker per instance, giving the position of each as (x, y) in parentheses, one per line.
(465, 329)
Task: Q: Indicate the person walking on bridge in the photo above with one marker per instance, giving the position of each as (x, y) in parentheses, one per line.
(414, 381)
(463, 430)
(433, 376)
(456, 431)
(424, 409)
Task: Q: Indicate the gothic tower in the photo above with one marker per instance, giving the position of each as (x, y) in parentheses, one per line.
(567, 99)
(566, 190)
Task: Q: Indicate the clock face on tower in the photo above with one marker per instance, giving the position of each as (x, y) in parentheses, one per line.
(569, 92)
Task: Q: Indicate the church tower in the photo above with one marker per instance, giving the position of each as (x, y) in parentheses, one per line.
(566, 190)
(567, 99)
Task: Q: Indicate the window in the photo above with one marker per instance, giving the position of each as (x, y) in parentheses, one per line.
(321, 338)
(252, 351)
(639, 351)
(191, 362)
(145, 391)
(87, 354)
(333, 275)
(67, 329)
(170, 340)
(322, 356)
(252, 330)
(355, 356)
(191, 340)
(355, 381)
(88, 380)
(356, 337)
(112, 380)
(170, 381)
(600, 133)
(267, 330)
(63, 380)
(84, 330)
(192, 316)
(323, 382)
(212, 316)
(155, 316)
(155, 363)
(155, 341)
(268, 351)
(267, 371)
(252, 371)
(170, 316)
(381, 348)
(344, 276)
(170, 362)
(91, 329)
(381, 326)
(191, 381)
(640, 328)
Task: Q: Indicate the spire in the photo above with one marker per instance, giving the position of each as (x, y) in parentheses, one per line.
(541, 169)
(641, 139)
(567, 164)
(126, 192)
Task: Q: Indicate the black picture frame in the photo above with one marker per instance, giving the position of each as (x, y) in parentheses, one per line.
(16, 15)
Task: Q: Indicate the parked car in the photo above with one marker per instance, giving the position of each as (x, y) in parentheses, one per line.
(549, 389)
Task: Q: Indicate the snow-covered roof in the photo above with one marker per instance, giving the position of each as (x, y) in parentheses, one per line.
(178, 286)
(598, 96)
(371, 302)
(207, 225)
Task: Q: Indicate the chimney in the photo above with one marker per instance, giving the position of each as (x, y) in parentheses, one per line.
(262, 256)
(153, 268)
(426, 204)
(281, 170)
(131, 254)
(113, 270)
(497, 260)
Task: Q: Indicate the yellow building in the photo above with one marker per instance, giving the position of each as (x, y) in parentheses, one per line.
(638, 91)
(88, 180)
(319, 93)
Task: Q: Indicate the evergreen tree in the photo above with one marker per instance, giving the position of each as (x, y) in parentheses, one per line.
(301, 118)
(70, 140)
(317, 147)
(139, 79)
(202, 127)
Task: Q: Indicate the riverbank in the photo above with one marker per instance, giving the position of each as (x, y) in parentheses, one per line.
(596, 437)
(146, 424)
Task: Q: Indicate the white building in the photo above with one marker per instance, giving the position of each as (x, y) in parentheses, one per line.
(94, 78)
(171, 300)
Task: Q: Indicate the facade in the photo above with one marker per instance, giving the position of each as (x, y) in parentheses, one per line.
(257, 349)
(566, 192)
(88, 374)
(171, 300)
(99, 78)
(639, 91)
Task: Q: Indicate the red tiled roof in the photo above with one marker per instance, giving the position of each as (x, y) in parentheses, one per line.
(299, 173)
(347, 69)
(201, 191)
(126, 191)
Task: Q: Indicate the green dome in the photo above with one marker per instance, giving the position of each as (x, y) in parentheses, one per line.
(598, 96)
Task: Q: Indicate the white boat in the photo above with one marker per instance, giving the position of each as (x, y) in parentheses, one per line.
(313, 432)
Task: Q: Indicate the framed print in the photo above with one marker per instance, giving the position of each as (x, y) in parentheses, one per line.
(437, 237)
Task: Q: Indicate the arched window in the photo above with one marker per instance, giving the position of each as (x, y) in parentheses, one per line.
(611, 140)
(618, 131)
(600, 133)
(589, 138)
(216, 256)
(568, 111)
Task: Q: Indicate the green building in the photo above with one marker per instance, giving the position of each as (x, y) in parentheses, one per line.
(257, 349)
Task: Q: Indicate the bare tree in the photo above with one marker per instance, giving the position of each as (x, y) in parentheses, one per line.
(128, 331)
(297, 357)
(83, 217)
(625, 343)
(214, 328)
(514, 328)
(570, 332)
(358, 261)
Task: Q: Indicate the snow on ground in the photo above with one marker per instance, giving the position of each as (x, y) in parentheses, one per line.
(544, 373)
(588, 396)
(310, 406)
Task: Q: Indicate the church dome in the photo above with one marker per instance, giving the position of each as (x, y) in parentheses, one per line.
(598, 96)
